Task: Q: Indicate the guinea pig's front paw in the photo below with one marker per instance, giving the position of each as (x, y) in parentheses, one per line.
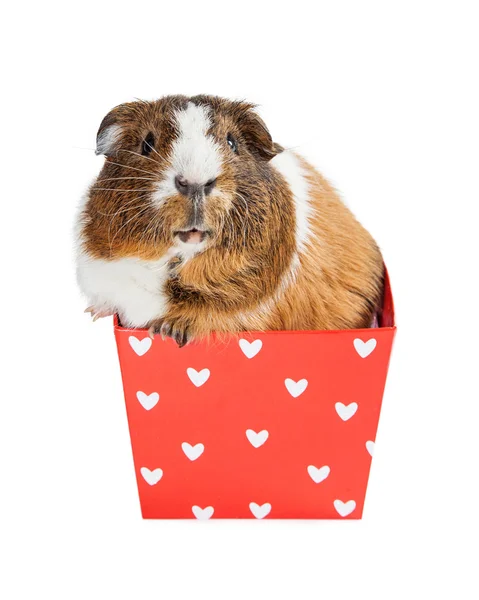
(99, 313)
(176, 329)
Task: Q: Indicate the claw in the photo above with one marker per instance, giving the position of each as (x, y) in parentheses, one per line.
(98, 314)
(167, 330)
(182, 339)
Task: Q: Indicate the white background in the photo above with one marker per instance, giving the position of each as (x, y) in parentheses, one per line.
(383, 98)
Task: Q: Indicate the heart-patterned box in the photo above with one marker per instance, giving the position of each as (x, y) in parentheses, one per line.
(276, 424)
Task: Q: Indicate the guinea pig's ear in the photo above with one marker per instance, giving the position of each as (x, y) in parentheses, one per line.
(257, 135)
(108, 136)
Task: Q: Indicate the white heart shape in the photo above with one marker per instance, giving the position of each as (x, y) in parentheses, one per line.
(198, 377)
(296, 388)
(257, 439)
(364, 349)
(250, 349)
(370, 447)
(192, 452)
(203, 514)
(344, 508)
(318, 475)
(346, 412)
(140, 346)
(260, 512)
(148, 401)
(151, 477)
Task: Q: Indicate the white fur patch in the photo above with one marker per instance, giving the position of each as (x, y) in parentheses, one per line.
(195, 155)
(287, 163)
(108, 140)
(129, 286)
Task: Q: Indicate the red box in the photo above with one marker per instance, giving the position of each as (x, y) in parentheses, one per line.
(278, 424)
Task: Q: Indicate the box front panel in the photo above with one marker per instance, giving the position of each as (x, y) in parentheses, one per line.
(268, 425)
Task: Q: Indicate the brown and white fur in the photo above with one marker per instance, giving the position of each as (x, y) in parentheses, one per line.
(199, 223)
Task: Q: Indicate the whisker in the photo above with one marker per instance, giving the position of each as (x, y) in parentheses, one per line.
(135, 199)
(222, 225)
(131, 201)
(232, 232)
(122, 210)
(123, 150)
(128, 167)
(243, 227)
(117, 178)
(246, 215)
(141, 156)
(151, 148)
(140, 212)
(119, 191)
(149, 234)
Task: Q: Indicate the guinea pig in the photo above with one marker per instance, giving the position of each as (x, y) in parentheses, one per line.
(200, 223)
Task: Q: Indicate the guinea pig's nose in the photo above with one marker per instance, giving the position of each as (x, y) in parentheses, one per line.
(182, 185)
(209, 185)
(193, 189)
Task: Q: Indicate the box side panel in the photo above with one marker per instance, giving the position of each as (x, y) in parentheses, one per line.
(274, 425)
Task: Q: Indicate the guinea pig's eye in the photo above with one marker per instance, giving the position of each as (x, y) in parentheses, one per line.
(147, 144)
(232, 142)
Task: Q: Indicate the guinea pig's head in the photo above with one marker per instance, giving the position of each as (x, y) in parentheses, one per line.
(179, 173)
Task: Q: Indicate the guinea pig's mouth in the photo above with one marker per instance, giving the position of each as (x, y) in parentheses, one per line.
(192, 236)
